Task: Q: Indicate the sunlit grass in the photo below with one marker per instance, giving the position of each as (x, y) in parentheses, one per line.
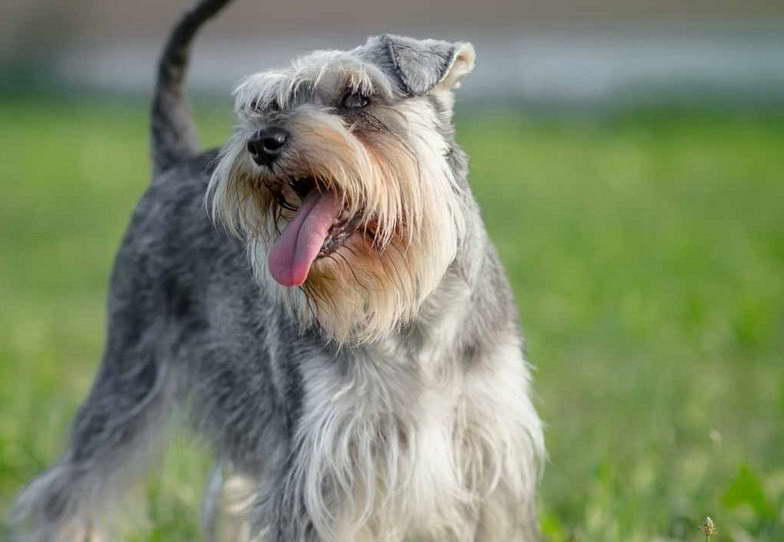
(647, 253)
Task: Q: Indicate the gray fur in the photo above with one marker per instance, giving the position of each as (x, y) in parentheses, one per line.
(417, 65)
(301, 420)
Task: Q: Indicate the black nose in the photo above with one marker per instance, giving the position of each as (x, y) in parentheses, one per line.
(266, 145)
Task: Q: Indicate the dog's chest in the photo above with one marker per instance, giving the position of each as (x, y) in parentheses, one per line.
(385, 431)
(383, 392)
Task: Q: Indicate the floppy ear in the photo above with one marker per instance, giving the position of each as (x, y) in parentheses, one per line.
(422, 65)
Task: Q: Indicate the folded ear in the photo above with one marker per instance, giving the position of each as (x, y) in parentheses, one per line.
(422, 65)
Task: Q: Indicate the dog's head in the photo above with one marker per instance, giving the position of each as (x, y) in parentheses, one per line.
(344, 178)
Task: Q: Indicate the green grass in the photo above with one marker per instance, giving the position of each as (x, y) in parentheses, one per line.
(646, 251)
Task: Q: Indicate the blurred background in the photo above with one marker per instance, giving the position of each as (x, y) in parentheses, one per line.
(559, 53)
(629, 159)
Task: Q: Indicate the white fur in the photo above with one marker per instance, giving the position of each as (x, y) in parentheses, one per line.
(410, 453)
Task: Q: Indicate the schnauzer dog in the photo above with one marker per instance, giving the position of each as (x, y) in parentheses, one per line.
(345, 338)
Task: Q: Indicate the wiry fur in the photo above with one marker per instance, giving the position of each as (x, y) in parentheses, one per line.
(385, 400)
(389, 165)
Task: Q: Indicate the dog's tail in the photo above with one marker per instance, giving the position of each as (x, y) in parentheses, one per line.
(173, 130)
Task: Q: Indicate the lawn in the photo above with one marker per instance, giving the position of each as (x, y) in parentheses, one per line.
(646, 250)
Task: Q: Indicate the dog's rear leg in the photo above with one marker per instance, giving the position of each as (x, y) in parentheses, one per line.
(112, 440)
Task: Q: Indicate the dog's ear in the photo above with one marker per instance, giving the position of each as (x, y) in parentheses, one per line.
(422, 65)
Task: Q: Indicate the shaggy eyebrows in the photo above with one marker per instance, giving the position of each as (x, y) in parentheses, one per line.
(282, 89)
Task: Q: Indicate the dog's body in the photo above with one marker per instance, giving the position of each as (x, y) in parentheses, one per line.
(384, 400)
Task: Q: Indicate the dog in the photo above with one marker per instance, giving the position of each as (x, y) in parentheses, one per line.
(321, 299)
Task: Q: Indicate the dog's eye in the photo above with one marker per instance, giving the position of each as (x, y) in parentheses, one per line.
(354, 100)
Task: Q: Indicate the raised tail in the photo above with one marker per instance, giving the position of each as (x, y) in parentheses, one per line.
(173, 130)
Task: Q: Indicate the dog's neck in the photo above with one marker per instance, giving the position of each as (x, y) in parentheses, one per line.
(452, 320)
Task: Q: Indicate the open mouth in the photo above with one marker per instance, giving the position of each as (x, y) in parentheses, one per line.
(319, 227)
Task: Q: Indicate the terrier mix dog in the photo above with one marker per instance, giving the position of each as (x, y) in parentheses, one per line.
(346, 339)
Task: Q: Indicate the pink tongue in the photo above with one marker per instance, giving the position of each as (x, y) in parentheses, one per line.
(299, 244)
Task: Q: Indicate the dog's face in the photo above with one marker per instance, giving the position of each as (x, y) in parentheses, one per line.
(340, 177)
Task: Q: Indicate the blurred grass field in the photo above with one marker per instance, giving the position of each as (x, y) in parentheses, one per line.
(646, 250)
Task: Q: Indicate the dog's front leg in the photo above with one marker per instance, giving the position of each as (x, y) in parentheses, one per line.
(301, 502)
